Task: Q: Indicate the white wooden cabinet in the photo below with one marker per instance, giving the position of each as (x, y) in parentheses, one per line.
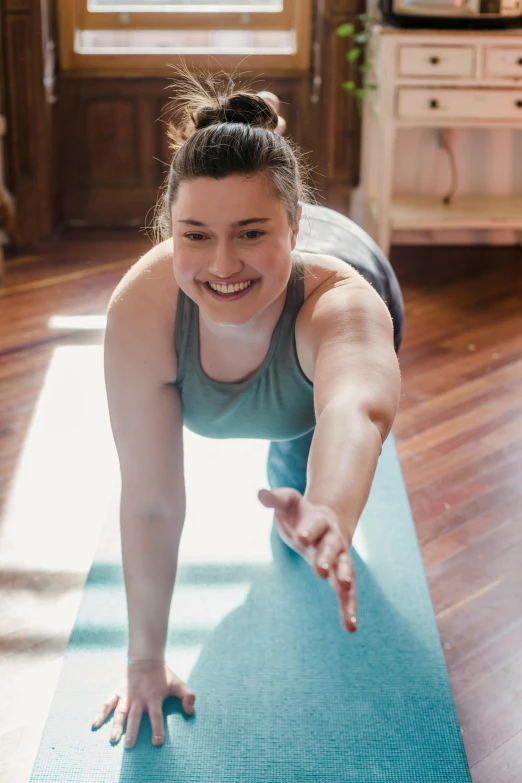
(436, 78)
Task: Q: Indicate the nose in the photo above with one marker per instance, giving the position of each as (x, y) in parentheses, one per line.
(224, 263)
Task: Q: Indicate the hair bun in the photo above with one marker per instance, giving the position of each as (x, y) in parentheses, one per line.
(242, 107)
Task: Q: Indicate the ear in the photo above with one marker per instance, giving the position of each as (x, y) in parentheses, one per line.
(295, 228)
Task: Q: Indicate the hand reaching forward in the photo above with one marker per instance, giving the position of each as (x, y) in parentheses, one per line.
(314, 532)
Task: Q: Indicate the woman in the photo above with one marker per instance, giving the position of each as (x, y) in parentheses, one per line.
(226, 327)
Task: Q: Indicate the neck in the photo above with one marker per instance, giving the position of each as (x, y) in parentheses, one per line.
(254, 332)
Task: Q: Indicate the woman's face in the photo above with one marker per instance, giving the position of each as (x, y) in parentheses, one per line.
(231, 230)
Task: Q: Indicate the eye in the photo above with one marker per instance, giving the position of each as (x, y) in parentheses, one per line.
(254, 231)
(198, 236)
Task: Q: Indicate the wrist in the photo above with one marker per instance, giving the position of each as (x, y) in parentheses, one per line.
(338, 519)
(134, 661)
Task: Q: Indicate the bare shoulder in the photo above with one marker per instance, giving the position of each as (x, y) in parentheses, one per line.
(146, 297)
(323, 272)
(150, 280)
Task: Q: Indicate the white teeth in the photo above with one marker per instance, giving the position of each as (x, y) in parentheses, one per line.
(223, 289)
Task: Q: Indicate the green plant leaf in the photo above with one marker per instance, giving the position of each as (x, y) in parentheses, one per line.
(363, 17)
(365, 67)
(372, 86)
(353, 54)
(363, 37)
(359, 93)
(344, 30)
(349, 85)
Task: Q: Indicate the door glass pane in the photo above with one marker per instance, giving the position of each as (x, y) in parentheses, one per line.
(207, 6)
(452, 4)
(186, 42)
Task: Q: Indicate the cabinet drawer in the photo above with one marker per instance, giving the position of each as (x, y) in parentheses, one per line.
(436, 60)
(480, 104)
(502, 61)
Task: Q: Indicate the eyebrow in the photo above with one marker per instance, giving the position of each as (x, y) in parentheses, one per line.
(239, 223)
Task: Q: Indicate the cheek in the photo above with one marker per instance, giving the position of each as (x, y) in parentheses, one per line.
(186, 264)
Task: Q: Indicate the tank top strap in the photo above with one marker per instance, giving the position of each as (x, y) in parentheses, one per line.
(183, 333)
(296, 293)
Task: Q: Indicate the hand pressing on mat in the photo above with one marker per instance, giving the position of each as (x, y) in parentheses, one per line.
(147, 685)
(314, 532)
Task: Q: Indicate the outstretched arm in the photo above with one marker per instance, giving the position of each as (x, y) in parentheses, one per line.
(357, 387)
(356, 394)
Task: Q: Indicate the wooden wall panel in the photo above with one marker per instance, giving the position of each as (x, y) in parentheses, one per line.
(113, 130)
(28, 82)
(113, 150)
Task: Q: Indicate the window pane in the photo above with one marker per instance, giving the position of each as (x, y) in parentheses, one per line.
(207, 6)
(185, 41)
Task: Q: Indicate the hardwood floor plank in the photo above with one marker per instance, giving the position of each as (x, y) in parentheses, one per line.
(480, 420)
(490, 651)
(463, 485)
(432, 410)
(502, 766)
(491, 714)
(431, 464)
(467, 572)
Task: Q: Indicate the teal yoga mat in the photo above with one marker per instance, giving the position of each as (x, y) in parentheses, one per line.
(284, 693)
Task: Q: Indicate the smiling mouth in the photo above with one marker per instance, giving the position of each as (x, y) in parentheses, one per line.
(231, 294)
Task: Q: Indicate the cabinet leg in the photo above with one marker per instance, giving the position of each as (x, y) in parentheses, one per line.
(384, 198)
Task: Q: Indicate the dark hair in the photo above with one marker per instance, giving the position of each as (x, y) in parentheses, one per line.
(223, 128)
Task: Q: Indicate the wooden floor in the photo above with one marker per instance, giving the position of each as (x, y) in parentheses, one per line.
(459, 434)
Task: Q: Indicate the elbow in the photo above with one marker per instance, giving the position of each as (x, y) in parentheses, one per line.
(381, 413)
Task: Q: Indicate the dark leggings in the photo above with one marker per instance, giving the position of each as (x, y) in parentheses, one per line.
(324, 231)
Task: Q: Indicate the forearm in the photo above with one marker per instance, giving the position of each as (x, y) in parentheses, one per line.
(342, 461)
(150, 548)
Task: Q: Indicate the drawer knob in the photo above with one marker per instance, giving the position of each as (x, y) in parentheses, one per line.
(518, 103)
(434, 60)
(434, 104)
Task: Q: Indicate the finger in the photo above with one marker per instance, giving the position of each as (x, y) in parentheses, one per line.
(156, 718)
(344, 570)
(352, 607)
(347, 594)
(118, 723)
(327, 551)
(281, 126)
(133, 725)
(310, 531)
(107, 708)
(270, 98)
(185, 694)
(284, 500)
